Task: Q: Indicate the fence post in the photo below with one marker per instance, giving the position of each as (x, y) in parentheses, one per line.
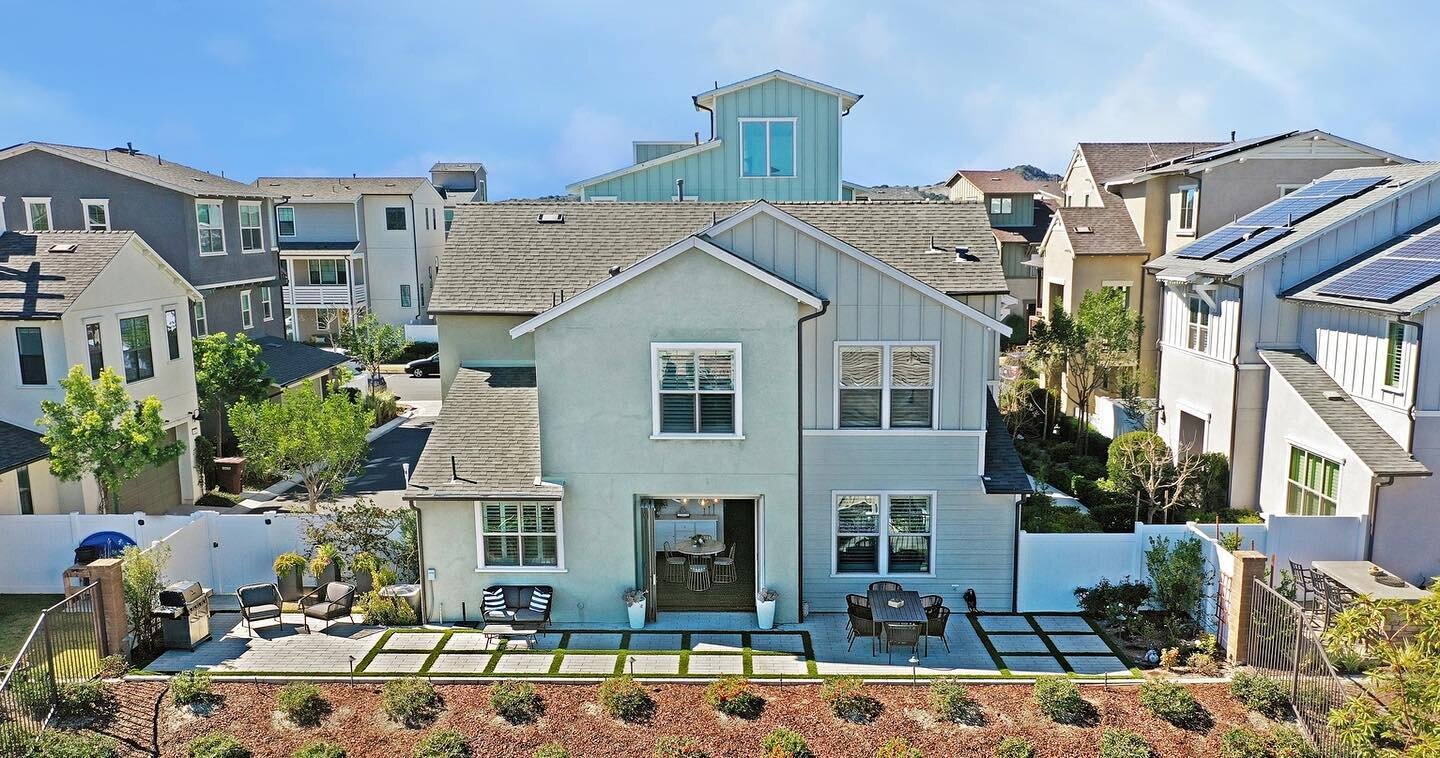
(1249, 567)
(110, 602)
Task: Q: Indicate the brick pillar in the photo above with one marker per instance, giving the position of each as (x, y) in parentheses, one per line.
(1249, 566)
(111, 592)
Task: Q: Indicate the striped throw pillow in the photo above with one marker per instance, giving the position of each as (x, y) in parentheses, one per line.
(540, 601)
(495, 602)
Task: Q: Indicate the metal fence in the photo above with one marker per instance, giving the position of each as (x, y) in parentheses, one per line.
(1284, 645)
(65, 646)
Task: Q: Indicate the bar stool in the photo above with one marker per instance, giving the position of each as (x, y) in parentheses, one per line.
(725, 567)
(699, 577)
(674, 566)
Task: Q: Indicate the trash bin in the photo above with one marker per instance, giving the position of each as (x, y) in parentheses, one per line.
(230, 475)
(410, 593)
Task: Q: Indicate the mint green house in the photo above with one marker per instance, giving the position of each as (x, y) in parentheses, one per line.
(805, 385)
(776, 136)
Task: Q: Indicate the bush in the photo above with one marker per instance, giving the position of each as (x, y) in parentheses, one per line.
(319, 749)
(1172, 702)
(678, 747)
(847, 699)
(898, 747)
(516, 702)
(1286, 742)
(1040, 515)
(58, 744)
(1116, 603)
(383, 404)
(189, 687)
(1260, 694)
(1177, 574)
(1243, 742)
(113, 666)
(216, 745)
(288, 563)
(784, 743)
(1203, 664)
(952, 702)
(1015, 747)
(443, 743)
(414, 351)
(79, 699)
(386, 611)
(410, 701)
(551, 750)
(302, 703)
(1118, 743)
(732, 696)
(623, 699)
(1060, 699)
(1170, 658)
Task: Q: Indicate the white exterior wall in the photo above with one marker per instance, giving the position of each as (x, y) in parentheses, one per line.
(45, 490)
(407, 257)
(1351, 345)
(1293, 422)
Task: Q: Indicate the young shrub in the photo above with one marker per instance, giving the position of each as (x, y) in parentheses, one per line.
(302, 703)
(58, 744)
(1287, 742)
(1015, 747)
(190, 688)
(624, 699)
(1243, 742)
(1060, 699)
(1116, 603)
(848, 700)
(1118, 743)
(288, 563)
(898, 747)
(678, 747)
(443, 743)
(784, 743)
(113, 666)
(411, 701)
(216, 745)
(1203, 664)
(952, 702)
(551, 750)
(1260, 694)
(1170, 658)
(79, 699)
(385, 611)
(516, 702)
(1172, 702)
(732, 696)
(319, 749)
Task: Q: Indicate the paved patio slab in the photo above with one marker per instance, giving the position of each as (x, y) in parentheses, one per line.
(467, 642)
(1097, 664)
(1079, 643)
(1005, 624)
(592, 641)
(587, 664)
(655, 642)
(1018, 643)
(460, 664)
(1064, 624)
(1032, 664)
(522, 663)
(716, 643)
(397, 663)
(778, 643)
(413, 641)
(717, 664)
(652, 664)
(793, 665)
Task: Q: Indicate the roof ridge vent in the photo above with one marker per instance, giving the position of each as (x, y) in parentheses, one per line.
(550, 218)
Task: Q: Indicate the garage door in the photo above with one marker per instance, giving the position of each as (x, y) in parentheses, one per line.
(154, 490)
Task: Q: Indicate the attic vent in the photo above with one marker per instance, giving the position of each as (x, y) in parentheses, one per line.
(1334, 395)
(389, 184)
(994, 178)
(1084, 230)
(550, 218)
(69, 247)
(962, 254)
(197, 178)
(308, 194)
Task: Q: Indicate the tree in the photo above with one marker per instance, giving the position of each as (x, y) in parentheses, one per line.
(372, 342)
(1091, 349)
(361, 527)
(1140, 463)
(228, 369)
(99, 430)
(321, 441)
(142, 572)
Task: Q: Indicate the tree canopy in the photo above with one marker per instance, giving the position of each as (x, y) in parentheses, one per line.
(372, 342)
(321, 441)
(228, 368)
(1099, 344)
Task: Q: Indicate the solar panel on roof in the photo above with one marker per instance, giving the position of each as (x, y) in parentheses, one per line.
(1289, 210)
(1214, 242)
(1251, 244)
(1338, 187)
(1424, 248)
(1384, 279)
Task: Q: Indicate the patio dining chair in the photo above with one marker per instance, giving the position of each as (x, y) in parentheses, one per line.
(674, 565)
(1304, 584)
(858, 601)
(1337, 598)
(725, 567)
(902, 635)
(885, 587)
(929, 603)
(935, 626)
(259, 602)
(860, 625)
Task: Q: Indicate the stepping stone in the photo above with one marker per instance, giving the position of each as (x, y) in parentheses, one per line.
(593, 641)
(652, 664)
(1097, 664)
(459, 664)
(716, 643)
(1005, 624)
(470, 642)
(521, 663)
(773, 664)
(778, 643)
(717, 664)
(1064, 624)
(1079, 643)
(655, 641)
(538, 642)
(588, 664)
(397, 663)
(1018, 643)
(413, 641)
(1032, 664)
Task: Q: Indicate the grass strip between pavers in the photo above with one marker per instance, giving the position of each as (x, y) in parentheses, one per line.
(1050, 646)
(989, 648)
(374, 651)
(434, 653)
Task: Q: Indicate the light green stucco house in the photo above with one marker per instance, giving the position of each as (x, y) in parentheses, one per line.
(808, 383)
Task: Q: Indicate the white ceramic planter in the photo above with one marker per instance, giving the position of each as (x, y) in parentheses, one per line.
(637, 615)
(765, 613)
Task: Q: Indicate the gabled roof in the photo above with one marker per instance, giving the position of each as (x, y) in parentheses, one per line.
(338, 189)
(1110, 229)
(1229, 151)
(1423, 298)
(458, 167)
(19, 446)
(1107, 160)
(1377, 450)
(41, 275)
(675, 156)
(290, 362)
(147, 168)
(1033, 234)
(1006, 182)
(706, 100)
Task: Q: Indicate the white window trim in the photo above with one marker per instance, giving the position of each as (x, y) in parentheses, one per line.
(883, 549)
(1338, 460)
(655, 348)
(480, 566)
(885, 346)
(120, 318)
(1128, 286)
(267, 305)
(49, 212)
(218, 204)
(294, 221)
(260, 215)
(85, 204)
(1194, 209)
(1285, 189)
(247, 312)
(1005, 205)
(1197, 325)
(385, 217)
(200, 318)
(794, 147)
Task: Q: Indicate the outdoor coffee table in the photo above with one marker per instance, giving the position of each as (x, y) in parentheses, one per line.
(884, 614)
(506, 631)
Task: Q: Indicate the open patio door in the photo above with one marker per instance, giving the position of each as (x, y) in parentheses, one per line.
(646, 542)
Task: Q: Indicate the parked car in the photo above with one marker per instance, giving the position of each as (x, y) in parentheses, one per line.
(424, 366)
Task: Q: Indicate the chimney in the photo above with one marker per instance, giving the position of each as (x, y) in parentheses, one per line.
(1232, 135)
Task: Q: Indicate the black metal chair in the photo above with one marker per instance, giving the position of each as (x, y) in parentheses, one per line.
(259, 602)
(903, 635)
(935, 626)
(329, 601)
(860, 601)
(885, 587)
(860, 625)
(929, 603)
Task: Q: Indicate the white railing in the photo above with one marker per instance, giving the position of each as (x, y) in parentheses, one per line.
(324, 295)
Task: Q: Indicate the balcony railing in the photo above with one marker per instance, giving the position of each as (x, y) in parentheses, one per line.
(327, 295)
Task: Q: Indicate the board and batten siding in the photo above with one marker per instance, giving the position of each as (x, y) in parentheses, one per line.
(323, 222)
(649, 151)
(1022, 210)
(1353, 346)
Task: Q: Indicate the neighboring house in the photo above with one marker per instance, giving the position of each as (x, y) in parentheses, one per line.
(1020, 211)
(1125, 203)
(810, 381)
(95, 299)
(1297, 341)
(215, 231)
(352, 245)
(776, 136)
(458, 183)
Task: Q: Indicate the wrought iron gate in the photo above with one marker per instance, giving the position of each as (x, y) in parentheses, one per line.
(64, 647)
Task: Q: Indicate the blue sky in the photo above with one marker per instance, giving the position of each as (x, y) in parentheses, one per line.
(547, 93)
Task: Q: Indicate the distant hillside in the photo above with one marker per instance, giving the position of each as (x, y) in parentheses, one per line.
(1034, 173)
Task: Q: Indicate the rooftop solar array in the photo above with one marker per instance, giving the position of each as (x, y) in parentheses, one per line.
(1214, 242)
(1401, 270)
(1250, 244)
(1271, 222)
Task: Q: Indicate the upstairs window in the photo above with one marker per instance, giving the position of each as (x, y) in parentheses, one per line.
(1188, 196)
(395, 219)
(1314, 484)
(97, 215)
(95, 346)
(27, 496)
(250, 239)
(267, 309)
(404, 296)
(32, 354)
(37, 213)
(197, 313)
(1001, 205)
(247, 315)
(767, 147)
(172, 333)
(210, 224)
(886, 386)
(696, 389)
(1197, 327)
(135, 348)
(327, 272)
(449, 219)
(1395, 357)
(285, 221)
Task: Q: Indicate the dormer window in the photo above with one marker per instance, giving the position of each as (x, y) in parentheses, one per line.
(767, 147)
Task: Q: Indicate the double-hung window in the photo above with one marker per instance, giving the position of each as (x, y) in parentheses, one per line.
(172, 333)
(197, 312)
(97, 215)
(327, 272)
(519, 535)
(767, 147)
(395, 219)
(1314, 484)
(285, 221)
(1395, 357)
(267, 309)
(886, 385)
(404, 296)
(37, 213)
(32, 354)
(95, 345)
(1001, 205)
(247, 315)
(696, 389)
(135, 348)
(1197, 326)
(884, 533)
(250, 238)
(449, 219)
(27, 496)
(1188, 196)
(210, 224)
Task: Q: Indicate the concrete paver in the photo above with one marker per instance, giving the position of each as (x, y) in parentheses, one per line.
(655, 642)
(396, 663)
(778, 643)
(413, 641)
(455, 663)
(775, 664)
(1005, 624)
(587, 664)
(1032, 664)
(716, 643)
(1079, 643)
(717, 664)
(1097, 664)
(592, 641)
(1018, 643)
(523, 663)
(470, 642)
(652, 664)
(1064, 624)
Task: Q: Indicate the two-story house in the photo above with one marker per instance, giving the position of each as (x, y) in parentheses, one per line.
(1020, 211)
(775, 136)
(215, 231)
(96, 299)
(352, 245)
(807, 383)
(1294, 340)
(459, 183)
(1126, 203)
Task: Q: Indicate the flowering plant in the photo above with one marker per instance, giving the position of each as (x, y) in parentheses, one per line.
(698, 540)
(634, 596)
(767, 595)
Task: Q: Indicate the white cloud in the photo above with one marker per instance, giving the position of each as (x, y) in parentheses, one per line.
(788, 37)
(36, 112)
(1250, 56)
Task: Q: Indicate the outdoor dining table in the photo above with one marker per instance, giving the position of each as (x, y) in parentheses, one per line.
(885, 614)
(1356, 576)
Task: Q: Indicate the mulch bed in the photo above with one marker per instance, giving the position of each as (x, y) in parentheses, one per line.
(148, 725)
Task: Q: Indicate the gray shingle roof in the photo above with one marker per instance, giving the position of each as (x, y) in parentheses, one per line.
(1004, 473)
(1377, 450)
(39, 283)
(1108, 160)
(338, 189)
(151, 168)
(500, 260)
(19, 446)
(289, 362)
(457, 167)
(1004, 182)
(490, 423)
(1420, 299)
(1112, 232)
(1033, 234)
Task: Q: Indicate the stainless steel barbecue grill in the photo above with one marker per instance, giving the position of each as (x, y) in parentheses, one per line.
(184, 611)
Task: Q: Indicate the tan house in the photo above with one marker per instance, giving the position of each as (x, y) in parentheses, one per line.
(1020, 210)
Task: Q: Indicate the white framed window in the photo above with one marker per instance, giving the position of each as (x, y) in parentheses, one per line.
(885, 533)
(247, 316)
(96, 213)
(172, 333)
(197, 313)
(267, 309)
(1314, 484)
(695, 390)
(210, 226)
(37, 214)
(1001, 205)
(1188, 197)
(521, 535)
(1126, 287)
(886, 385)
(251, 240)
(1197, 326)
(285, 221)
(327, 271)
(1395, 357)
(767, 147)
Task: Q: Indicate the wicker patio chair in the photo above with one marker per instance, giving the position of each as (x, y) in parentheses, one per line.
(902, 635)
(860, 625)
(885, 587)
(935, 626)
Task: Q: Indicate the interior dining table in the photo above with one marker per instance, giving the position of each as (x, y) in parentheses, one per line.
(1360, 577)
(706, 549)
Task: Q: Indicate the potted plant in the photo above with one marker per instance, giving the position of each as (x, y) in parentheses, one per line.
(288, 568)
(364, 566)
(765, 607)
(635, 606)
(325, 564)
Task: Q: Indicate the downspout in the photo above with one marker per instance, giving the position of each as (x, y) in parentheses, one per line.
(800, 455)
(1235, 384)
(696, 100)
(1015, 556)
(1375, 486)
(415, 254)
